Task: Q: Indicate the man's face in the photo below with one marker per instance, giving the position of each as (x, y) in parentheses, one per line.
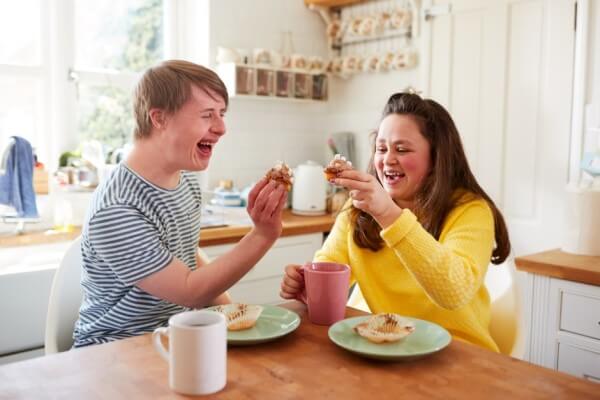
(191, 133)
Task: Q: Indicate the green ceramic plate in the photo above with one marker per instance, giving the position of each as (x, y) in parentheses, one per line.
(273, 323)
(427, 338)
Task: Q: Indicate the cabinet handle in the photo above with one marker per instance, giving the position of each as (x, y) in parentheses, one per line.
(591, 378)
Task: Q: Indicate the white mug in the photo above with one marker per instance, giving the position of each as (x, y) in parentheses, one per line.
(197, 352)
(227, 55)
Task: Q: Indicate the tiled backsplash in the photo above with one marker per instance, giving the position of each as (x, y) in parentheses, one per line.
(262, 132)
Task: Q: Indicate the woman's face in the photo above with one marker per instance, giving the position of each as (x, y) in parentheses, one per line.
(402, 158)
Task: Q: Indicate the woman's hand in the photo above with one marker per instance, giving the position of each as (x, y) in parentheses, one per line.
(368, 195)
(265, 202)
(293, 282)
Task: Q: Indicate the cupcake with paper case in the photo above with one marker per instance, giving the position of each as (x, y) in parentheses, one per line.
(281, 173)
(240, 316)
(385, 328)
(337, 165)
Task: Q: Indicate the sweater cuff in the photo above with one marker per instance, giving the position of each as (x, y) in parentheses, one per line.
(400, 228)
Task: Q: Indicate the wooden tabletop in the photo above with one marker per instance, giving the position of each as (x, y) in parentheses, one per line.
(303, 365)
(292, 225)
(558, 264)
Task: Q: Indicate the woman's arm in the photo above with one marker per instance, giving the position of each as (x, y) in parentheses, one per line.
(335, 249)
(452, 269)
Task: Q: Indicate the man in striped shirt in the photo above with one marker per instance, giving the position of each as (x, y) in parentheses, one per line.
(140, 238)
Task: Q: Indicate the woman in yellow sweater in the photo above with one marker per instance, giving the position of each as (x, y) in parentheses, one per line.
(420, 231)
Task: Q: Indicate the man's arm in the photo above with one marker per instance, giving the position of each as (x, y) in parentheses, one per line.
(201, 260)
(177, 284)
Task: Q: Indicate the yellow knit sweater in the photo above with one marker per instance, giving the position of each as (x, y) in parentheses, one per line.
(418, 276)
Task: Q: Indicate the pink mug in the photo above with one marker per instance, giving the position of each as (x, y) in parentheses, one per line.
(325, 291)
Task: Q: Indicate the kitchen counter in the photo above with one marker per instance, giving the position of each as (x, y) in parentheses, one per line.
(558, 264)
(292, 225)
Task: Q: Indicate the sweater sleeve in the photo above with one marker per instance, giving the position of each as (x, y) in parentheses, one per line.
(335, 247)
(452, 269)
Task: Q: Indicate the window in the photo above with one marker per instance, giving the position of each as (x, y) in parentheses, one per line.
(67, 69)
(23, 69)
(114, 42)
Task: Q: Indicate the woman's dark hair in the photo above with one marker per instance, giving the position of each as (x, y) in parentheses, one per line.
(449, 172)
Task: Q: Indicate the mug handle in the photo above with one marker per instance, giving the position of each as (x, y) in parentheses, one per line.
(156, 339)
(302, 295)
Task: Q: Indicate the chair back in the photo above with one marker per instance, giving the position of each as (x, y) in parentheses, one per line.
(65, 299)
(506, 326)
(356, 299)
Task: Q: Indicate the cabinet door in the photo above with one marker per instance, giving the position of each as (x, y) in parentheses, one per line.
(568, 340)
(579, 361)
(580, 314)
(261, 284)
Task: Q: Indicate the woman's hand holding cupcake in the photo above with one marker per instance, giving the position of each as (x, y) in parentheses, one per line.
(368, 195)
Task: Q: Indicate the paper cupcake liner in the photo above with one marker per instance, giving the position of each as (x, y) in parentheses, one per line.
(240, 316)
(382, 328)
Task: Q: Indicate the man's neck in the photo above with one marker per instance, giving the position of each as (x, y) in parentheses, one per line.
(149, 162)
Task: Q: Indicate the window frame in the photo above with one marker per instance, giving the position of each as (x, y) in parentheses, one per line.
(40, 72)
(59, 78)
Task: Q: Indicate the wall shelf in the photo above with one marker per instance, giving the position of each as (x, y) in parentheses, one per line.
(266, 82)
(370, 7)
(405, 33)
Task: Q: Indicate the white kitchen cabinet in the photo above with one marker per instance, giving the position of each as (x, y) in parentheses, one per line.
(261, 285)
(565, 326)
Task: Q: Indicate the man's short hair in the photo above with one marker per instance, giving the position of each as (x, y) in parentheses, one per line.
(167, 86)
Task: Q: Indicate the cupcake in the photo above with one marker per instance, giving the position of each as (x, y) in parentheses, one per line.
(281, 173)
(240, 316)
(382, 328)
(337, 165)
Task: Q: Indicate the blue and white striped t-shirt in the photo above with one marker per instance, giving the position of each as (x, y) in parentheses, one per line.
(133, 229)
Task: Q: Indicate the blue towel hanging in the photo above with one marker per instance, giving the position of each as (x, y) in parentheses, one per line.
(16, 184)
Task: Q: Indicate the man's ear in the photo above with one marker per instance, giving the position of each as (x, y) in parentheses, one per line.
(158, 118)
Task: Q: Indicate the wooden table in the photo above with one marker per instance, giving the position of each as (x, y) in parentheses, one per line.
(302, 365)
(558, 264)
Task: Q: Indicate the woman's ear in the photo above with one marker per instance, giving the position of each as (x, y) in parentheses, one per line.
(158, 118)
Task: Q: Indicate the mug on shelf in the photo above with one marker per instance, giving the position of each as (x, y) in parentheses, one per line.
(227, 55)
(299, 62)
(262, 57)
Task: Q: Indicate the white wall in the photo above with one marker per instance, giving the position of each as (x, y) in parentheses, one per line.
(592, 96)
(593, 78)
(357, 103)
(261, 132)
